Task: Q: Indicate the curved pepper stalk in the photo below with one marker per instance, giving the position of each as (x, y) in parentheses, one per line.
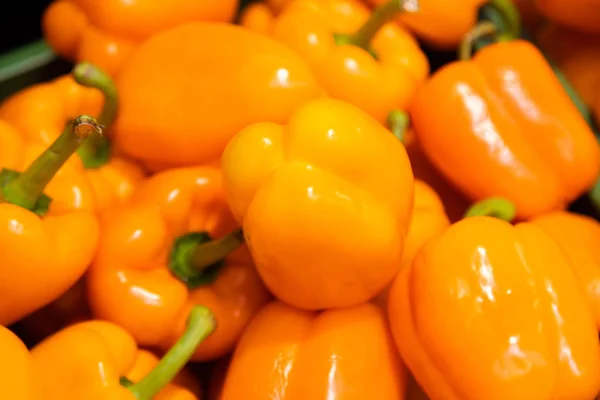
(497, 207)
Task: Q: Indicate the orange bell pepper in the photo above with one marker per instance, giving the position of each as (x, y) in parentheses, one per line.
(105, 33)
(336, 354)
(356, 56)
(325, 203)
(97, 360)
(147, 273)
(515, 320)
(46, 247)
(441, 23)
(580, 15)
(578, 236)
(258, 17)
(428, 220)
(213, 79)
(514, 131)
(40, 112)
(19, 376)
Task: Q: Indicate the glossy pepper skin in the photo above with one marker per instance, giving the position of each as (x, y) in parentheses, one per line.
(106, 33)
(514, 131)
(92, 356)
(130, 283)
(515, 320)
(578, 236)
(580, 15)
(349, 72)
(214, 79)
(344, 354)
(428, 219)
(440, 22)
(19, 375)
(40, 112)
(326, 218)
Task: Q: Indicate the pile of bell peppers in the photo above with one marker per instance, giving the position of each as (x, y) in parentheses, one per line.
(305, 200)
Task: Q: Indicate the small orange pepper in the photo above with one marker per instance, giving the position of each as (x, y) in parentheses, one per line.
(258, 17)
(290, 354)
(441, 23)
(147, 273)
(514, 131)
(325, 203)
(356, 56)
(40, 113)
(578, 236)
(213, 79)
(97, 360)
(46, 247)
(428, 220)
(515, 320)
(580, 15)
(19, 375)
(105, 33)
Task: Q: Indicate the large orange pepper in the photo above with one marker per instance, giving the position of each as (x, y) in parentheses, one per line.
(356, 56)
(428, 220)
(198, 84)
(40, 112)
(148, 274)
(580, 15)
(505, 127)
(19, 375)
(578, 235)
(515, 320)
(441, 23)
(97, 360)
(106, 32)
(289, 354)
(46, 246)
(325, 203)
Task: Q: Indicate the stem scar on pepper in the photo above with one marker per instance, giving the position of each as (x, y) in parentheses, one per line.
(195, 259)
(398, 122)
(497, 207)
(381, 15)
(201, 324)
(26, 189)
(95, 152)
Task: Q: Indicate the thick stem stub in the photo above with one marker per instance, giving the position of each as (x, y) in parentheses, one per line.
(497, 207)
(196, 259)
(26, 189)
(398, 122)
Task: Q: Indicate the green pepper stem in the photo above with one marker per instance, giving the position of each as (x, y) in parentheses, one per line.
(479, 31)
(201, 323)
(95, 151)
(398, 122)
(29, 186)
(511, 17)
(381, 16)
(208, 253)
(497, 207)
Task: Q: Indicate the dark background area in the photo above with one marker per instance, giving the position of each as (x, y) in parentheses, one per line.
(20, 23)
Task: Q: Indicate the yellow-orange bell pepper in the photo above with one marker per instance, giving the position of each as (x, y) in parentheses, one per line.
(97, 360)
(106, 32)
(325, 203)
(19, 375)
(515, 321)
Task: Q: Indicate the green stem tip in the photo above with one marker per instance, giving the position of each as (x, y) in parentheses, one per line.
(95, 152)
(497, 207)
(481, 30)
(398, 122)
(26, 188)
(201, 324)
(196, 259)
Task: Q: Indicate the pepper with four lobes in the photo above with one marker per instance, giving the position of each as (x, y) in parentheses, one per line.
(199, 84)
(579, 15)
(441, 23)
(324, 201)
(97, 360)
(505, 127)
(107, 32)
(45, 247)
(19, 374)
(342, 354)
(356, 56)
(40, 111)
(155, 261)
(516, 321)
